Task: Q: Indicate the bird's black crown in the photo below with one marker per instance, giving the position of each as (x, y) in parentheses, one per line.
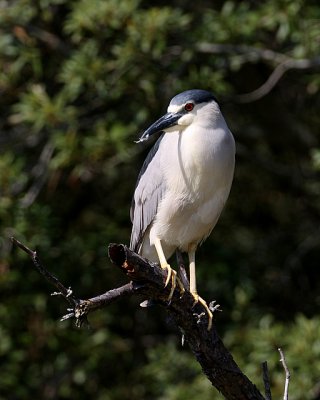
(196, 95)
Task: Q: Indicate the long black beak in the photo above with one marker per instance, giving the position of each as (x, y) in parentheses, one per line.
(166, 121)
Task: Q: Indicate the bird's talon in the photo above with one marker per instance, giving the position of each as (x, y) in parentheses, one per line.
(200, 300)
(181, 287)
(169, 273)
(213, 307)
(199, 316)
(171, 276)
(196, 299)
(173, 284)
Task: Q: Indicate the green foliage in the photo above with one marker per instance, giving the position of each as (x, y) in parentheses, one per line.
(79, 80)
(300, 342)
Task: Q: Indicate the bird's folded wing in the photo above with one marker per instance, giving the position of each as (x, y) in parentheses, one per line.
(148, 193)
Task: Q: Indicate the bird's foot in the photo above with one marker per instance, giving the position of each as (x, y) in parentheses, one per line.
(171, 273)
(198, 299)
(172, 276)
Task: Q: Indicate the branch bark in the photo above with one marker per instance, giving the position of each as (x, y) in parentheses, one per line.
(266, 380)
(282, 63)
(147, 279)
(287, 372)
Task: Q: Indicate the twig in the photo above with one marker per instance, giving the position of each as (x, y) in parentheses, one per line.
(63, 291)
(248, 53)
(286, 369)
(80, 308)
(94, 303)
(81, 311)
(266, 380)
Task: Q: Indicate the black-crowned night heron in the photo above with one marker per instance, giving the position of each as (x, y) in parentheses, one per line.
(184, 182)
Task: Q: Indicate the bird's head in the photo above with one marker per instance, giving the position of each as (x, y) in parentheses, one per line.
(186, 108)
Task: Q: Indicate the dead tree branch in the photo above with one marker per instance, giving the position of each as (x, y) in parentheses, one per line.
(63, 291)
(275, 77)
(147, 279)
(281, 62)
(266, 380)
(287, 372)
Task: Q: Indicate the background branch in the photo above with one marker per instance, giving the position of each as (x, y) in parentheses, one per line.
(275, 77)
(287, 372)
(282, 62)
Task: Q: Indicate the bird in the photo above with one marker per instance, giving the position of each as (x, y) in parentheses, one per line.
(183, 184)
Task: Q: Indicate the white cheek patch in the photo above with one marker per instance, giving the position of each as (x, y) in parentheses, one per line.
(185, 119)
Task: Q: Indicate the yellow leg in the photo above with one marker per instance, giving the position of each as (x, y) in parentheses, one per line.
(193, 286)
(171, 273)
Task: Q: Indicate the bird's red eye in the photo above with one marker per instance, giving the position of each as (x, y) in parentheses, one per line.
(189, 107)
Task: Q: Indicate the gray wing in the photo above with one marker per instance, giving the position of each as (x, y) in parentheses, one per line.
(148, 193)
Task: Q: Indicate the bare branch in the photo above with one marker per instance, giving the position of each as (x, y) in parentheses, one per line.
(148, 279)
(249, 53)
(80, 308)
(65, 292)
(84, 307)
(23, 247)
(275, 77)
(266, 380)
(282, 62)
(286, 369)
(215, 360)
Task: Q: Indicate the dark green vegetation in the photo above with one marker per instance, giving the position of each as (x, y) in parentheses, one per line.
(79, 80)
